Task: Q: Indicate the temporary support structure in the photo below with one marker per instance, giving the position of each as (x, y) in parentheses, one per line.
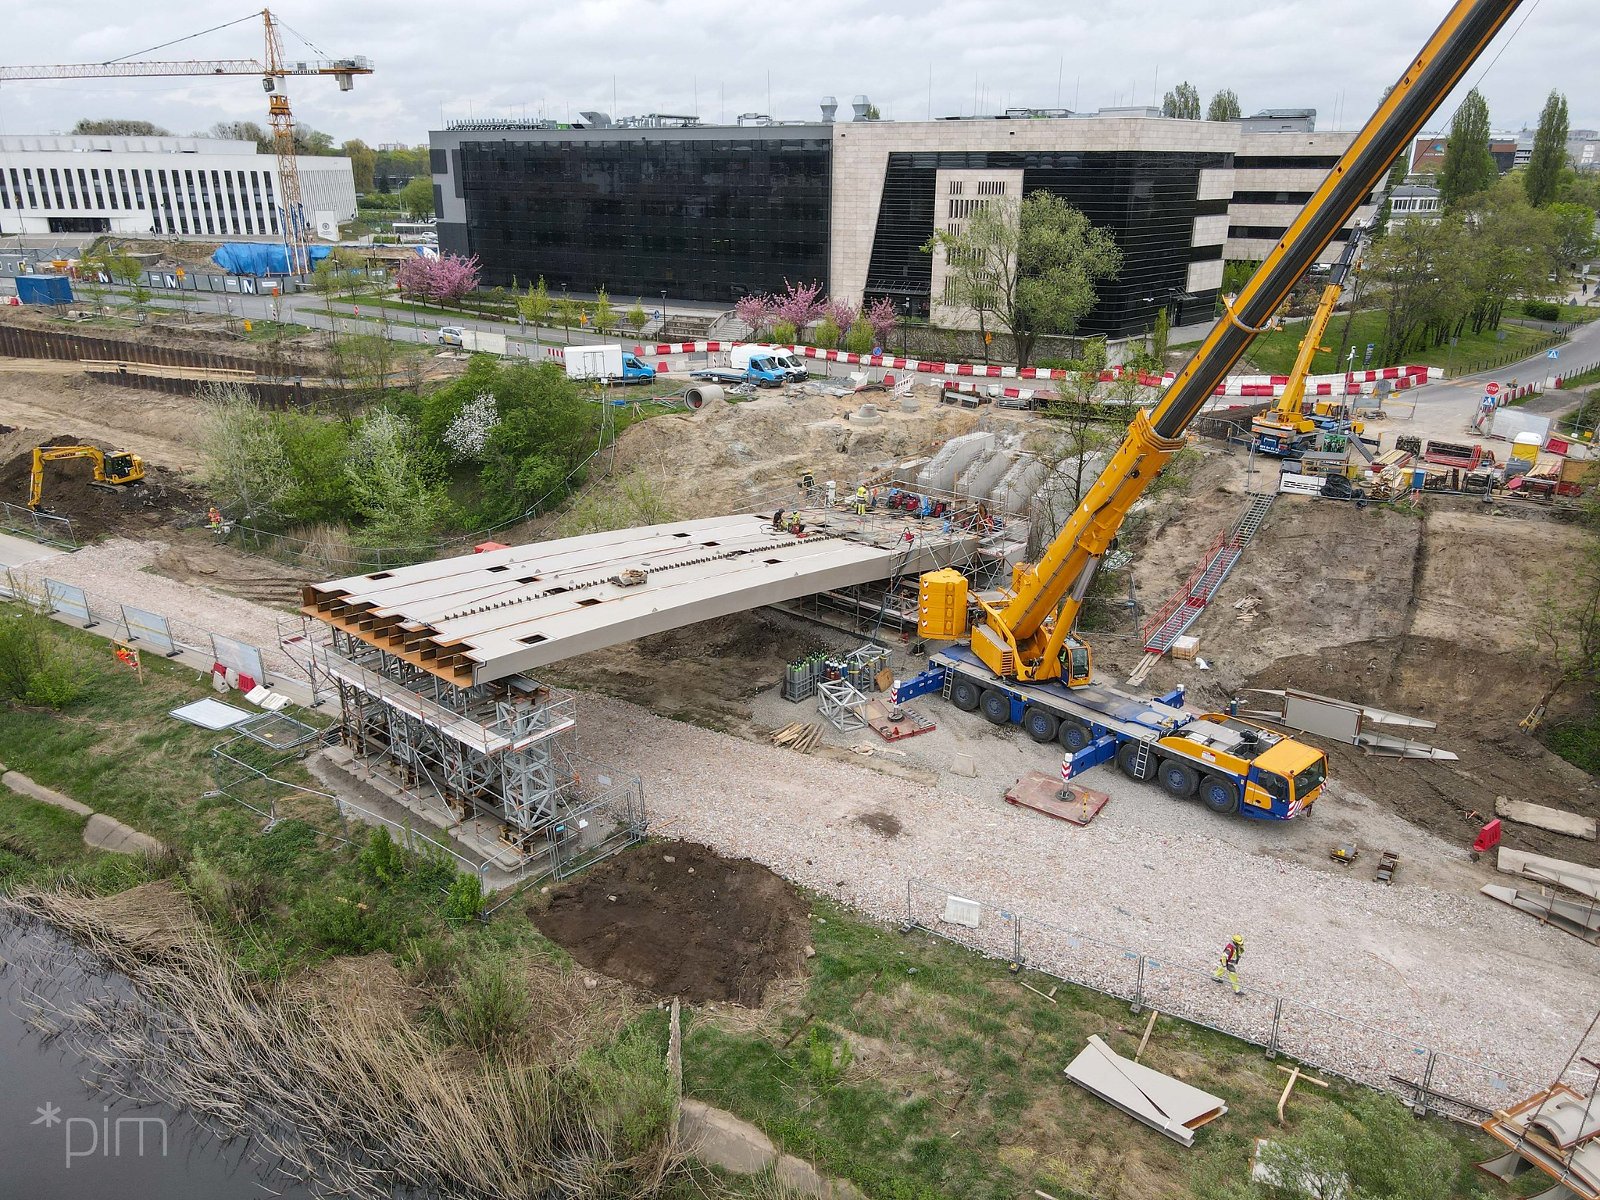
(841, 705)
(1556, 1131)
(1161, 1102)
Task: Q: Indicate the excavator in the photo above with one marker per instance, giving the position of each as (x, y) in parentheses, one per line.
(114, 468)
(1022, 661)
(1284, 430)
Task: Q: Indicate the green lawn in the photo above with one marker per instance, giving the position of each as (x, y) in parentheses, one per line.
(1274, 353)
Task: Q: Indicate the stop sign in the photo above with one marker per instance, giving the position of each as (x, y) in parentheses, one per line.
(1491, 389)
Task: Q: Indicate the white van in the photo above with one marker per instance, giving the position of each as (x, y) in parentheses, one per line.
(771, 358)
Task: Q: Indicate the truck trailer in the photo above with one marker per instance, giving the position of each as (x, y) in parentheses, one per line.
(608, 363)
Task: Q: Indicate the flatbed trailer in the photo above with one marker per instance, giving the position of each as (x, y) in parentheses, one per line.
(1230, 765)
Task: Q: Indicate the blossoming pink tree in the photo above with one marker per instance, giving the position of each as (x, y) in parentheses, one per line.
(841, 312)
(798, 306)
(755, 311)
(442, 280)
(883, 316)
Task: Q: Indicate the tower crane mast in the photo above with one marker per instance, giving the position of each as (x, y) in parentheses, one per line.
(272, 68)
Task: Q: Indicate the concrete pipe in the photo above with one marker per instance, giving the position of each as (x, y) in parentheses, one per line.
(699, 397)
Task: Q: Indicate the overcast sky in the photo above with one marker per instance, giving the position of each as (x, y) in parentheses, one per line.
(720, 58)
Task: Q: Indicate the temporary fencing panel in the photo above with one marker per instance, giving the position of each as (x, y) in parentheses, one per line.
(71, 600)
(238, 656)
(148, 627)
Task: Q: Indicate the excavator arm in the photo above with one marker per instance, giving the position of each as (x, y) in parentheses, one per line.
(1026, 632)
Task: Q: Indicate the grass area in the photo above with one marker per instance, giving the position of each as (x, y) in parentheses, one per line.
(1581, 379)
(1274, 353)
(926, 1071)
(901, 1062)
(272, 331)
(1577, 741)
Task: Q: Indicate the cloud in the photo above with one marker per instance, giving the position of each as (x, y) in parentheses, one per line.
(720, 58)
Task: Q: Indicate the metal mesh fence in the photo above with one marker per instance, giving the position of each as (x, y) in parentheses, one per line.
(48, 528)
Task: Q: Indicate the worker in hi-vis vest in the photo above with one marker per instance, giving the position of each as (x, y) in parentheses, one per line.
(1228, 965)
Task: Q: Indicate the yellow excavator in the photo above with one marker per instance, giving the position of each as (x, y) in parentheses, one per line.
(1023, 661)
(1284, 430)
(113, 468)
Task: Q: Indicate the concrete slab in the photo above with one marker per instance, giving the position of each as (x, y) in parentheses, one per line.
(481, 617)
(1540, 817)
(15, 551)
(1540, 867)
(23, 786)
(107, 833)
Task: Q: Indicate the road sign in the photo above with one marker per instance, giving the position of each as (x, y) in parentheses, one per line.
(1552, 354)
(1491, 389)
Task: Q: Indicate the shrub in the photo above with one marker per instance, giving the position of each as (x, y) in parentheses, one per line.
(381, 859)
(784, 333)
(1542, 310)
(826, 334)
(464, 901)
(35, 666)
(859, 338)
(488, 1009)
(345, 925)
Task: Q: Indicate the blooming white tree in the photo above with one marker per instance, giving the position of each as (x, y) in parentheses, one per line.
(468, 434)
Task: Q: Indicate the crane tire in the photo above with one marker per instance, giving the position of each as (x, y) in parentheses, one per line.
(1219, 795)
(996, 706)
(964, 694)
(1177, 778)
(1073, 735)
(1127, 758)
(1041, 724)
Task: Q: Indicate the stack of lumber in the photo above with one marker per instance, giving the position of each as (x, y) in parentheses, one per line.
(798, 735)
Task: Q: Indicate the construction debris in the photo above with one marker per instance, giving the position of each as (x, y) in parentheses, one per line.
(1554, 1131)
(1573, 876)
(1540, 817)
(1388, 864)
(1580, 918)
(1347, 722)
(1161, 1102)
(798, 735)
(1295, 1076)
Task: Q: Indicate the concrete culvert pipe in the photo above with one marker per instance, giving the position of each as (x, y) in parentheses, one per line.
(699, 397)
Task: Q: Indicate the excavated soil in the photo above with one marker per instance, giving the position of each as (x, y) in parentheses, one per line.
(676, 919)
(69, 491)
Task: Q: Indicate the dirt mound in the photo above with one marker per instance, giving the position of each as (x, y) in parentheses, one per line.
(69, 491)
(676, 919)
(1477, 696)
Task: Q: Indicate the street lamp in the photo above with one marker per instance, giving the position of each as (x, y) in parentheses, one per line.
(663, 330)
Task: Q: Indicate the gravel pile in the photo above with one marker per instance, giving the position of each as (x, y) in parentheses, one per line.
(1370, 974)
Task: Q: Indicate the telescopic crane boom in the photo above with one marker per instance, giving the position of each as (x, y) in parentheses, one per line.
(1026, 632)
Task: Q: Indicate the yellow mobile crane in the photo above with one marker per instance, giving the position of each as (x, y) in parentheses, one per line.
(1284, 429)
(1023, 662)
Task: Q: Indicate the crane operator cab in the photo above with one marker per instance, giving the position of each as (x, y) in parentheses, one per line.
(1075, 662)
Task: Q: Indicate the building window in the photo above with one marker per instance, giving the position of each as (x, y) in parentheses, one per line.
(33, 199)
(72, 195)
(956, 187)
(991, 187)
(122, 180)
(99, 192)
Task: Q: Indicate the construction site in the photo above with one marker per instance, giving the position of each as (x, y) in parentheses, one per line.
(1089, 686)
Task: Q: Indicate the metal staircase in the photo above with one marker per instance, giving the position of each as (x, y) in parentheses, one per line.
(1186, 604)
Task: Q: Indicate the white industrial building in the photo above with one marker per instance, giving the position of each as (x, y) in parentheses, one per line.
(172, 187)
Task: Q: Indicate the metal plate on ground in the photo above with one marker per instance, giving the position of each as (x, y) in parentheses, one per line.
(1044, 793)
(211, 714)
(890, 728)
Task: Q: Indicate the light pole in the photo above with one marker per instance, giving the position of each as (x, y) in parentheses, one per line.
(663, 330)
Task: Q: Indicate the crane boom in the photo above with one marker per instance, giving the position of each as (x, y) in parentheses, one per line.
(209, 66)
(1027, 630)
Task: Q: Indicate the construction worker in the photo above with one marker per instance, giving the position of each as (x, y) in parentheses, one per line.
(862, 500)
(777, 519)
(808, 482)
(1228, 965)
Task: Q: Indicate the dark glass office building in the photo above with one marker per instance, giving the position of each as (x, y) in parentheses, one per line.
(641, 212)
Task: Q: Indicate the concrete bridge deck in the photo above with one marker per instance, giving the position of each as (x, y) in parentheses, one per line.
(482, 617)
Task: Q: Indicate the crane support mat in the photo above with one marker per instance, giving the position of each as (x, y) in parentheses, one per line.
(909, 723)
(1043, 793)
(1542, 817)
(1161, 1102)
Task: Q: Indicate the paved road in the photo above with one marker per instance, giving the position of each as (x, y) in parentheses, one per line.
(15, 551)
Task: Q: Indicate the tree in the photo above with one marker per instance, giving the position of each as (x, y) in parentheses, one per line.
(363, 159)
(1468, 166)
(603, 315)
(1417, 273)
(883, 316)
(797, 306)
(1182, 102)
(1507, 251)
(1398, 172)
(637, 317)
(535, 306)
(1549, 156)
(417, 197)
(1224, 106)
(313, 142)
(242, 131)
(113, 127)
(1160, 332)
(1574, 224)
(567, 312)
(858, 338)
(244, 466)
(755, 311)
(1034, 265)
(443, 280)
(394, 482)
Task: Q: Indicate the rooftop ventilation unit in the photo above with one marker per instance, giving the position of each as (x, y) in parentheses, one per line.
(596, 120)
(861, 104)
(830, 106)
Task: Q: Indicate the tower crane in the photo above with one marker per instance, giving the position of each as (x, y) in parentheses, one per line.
(273, 69)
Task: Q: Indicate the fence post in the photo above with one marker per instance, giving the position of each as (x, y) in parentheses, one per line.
(1016, 942)
(1421, 1108)
(1277, 1019)
(1138, 988)
(910, 924)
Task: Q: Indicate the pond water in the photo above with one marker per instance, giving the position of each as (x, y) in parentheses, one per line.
(60, 1139)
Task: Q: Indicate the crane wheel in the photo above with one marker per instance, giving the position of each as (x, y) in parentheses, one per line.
(996, 706)
(1128, 760)
(1177, 779)
(965, 694)
(1041, 725)
(1073, 735)
(1219, 795)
